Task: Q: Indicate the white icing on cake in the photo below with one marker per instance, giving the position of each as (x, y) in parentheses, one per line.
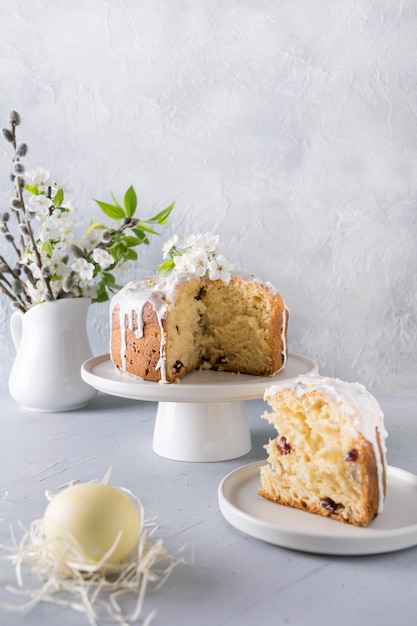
(284, 354)
(160, 293)
(359, 407)
(132, 299)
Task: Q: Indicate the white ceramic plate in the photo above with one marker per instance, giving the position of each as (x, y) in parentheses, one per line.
(394, 529)
(200, 386)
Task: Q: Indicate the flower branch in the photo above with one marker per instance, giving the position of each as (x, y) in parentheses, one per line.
(49, 263)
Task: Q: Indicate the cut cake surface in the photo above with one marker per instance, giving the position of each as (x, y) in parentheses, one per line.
(328, 457)
(162, 329)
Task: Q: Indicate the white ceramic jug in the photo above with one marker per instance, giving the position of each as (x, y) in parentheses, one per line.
(51, 343)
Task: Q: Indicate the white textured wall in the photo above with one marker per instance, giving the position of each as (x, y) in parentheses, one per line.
(289, 128)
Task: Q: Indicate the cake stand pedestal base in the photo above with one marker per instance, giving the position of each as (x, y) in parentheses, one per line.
(204, 418)
(201, 432)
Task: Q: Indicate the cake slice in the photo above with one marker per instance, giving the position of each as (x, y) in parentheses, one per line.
(328, 456)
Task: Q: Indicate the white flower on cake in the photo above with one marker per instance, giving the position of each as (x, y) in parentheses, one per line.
(197, 254)
(187, 263)
(168, 245)
(220, 269)
(207, 242)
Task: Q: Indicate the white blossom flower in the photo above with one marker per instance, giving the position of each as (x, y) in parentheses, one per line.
(56, 287)
(103, 258)
(40, 204)
(90, 239)
(200, 262)
(168, 245)
(200, 257)
(58, 267)
(66, 239)
(34, 268)
(69, 205)
(84, 269)
(37, 292)
(86, 282)
(41, 178)
(184, 263)
(187, 242)
(57, 227)
(62, 217)
(220, 268)
(207, 242)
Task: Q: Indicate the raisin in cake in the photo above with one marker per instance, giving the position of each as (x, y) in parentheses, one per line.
(164, 327)
(329, 454)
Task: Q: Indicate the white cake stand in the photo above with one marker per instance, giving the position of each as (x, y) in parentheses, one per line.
(203, 417)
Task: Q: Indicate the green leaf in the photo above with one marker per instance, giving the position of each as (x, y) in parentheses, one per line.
(165, 267)
(130, 201)
(131, 242)
(117, 251)
(32, 189)
(115, 201)
(141, 235)
(110, 280)
(144, 226)
(58, 198)
(130, 255)
(111, 210)
(48, 248)
(162, 217)
(101, 295)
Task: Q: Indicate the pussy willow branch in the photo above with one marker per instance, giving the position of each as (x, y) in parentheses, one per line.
(6, 230)
(11, 292)
(20, 197)
(16, 277)
(5, 267)
(14, 298)
(16, 158)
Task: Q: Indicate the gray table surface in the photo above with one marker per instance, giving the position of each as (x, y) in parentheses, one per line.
(234, 579)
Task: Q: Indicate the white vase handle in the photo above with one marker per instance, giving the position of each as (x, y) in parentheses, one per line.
(16, 325)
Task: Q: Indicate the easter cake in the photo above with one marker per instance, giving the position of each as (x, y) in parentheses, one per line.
(328, 456)
(199, 315)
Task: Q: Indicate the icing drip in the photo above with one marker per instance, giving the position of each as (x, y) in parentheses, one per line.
(356, 404)
(283, 335)
(161, 365)
(132, 299)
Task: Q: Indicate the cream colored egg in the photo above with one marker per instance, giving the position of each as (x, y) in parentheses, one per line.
(90, 516)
